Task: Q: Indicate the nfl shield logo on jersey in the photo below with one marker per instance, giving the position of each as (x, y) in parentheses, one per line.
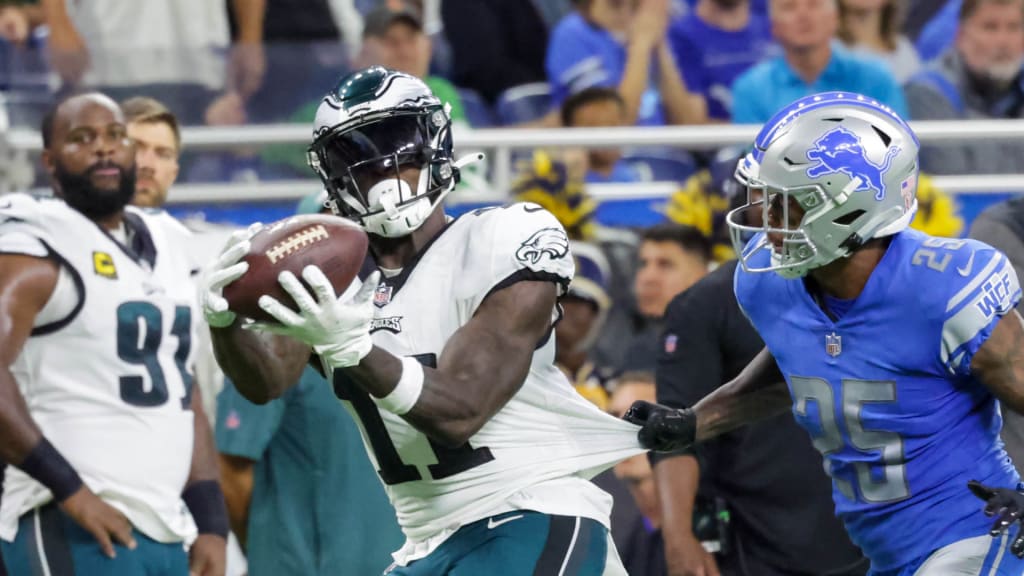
(833, 344)
(382, 296)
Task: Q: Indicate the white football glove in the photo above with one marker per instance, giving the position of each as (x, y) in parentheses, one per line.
(226, 269)
(337, 328)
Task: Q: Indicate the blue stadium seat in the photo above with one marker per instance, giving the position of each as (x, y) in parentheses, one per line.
(478, 111)
(661, 165)
(524, 103)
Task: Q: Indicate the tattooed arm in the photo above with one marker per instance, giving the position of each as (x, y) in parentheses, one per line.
(999, 363)
(758, 392)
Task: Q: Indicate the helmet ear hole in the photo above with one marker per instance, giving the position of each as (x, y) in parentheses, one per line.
(849, 217)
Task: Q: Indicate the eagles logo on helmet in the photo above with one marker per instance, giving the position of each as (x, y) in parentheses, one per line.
(373, 125)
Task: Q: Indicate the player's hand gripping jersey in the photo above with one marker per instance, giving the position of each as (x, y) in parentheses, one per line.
(539, 450)
(106, 372)
(886, 392)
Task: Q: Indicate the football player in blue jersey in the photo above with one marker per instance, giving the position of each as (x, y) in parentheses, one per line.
(896, 347)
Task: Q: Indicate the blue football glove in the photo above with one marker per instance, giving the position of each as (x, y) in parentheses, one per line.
(1007, 505)
(662, 429)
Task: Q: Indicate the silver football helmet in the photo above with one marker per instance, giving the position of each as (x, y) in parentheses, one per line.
(372, 125)
(846, 161)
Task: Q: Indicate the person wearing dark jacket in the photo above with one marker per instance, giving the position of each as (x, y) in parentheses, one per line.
(768, 476)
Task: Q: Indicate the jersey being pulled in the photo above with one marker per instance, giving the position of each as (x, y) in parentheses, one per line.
(106, 372)
(540, 449)
(886, 392)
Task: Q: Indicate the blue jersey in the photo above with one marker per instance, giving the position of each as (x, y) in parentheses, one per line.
(711, 58)
(582, 55)
(886, 392)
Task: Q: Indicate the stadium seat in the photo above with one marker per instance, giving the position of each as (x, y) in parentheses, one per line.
(478, 111)
(524, 103)
(661, 165)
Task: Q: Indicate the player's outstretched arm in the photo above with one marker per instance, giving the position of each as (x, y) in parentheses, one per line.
(758, 392)
(999, 362)
(481, 367)
(262, 366)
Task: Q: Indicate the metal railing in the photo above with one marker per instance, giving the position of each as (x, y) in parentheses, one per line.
(502, 142)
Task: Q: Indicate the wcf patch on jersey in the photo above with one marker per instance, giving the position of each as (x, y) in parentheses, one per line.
(103, 265)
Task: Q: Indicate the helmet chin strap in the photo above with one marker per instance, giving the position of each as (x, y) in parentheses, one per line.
(401, 210)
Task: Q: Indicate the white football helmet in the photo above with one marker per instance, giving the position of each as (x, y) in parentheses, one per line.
(850, 164)
(373, 124)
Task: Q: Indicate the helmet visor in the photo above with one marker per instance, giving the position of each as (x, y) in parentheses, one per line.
(402, 136)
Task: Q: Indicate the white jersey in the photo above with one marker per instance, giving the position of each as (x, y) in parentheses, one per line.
(106, 372)
(539, 451)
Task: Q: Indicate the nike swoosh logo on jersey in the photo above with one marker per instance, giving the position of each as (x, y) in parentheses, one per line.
(492, 524)
(967, 268)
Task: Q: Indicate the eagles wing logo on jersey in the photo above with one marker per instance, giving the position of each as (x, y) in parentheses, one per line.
(546, 241)
(840, 150)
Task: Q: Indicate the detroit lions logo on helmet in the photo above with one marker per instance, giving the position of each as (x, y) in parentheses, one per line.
(840, 150)
(546, 241)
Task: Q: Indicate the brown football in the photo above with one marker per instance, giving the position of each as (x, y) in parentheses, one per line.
(336, 245)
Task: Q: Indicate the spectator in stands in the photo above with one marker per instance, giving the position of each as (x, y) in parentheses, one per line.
(496, 45)
(14, 24)
(672, 258)
(1002, 226)
(620, 44)
(170, 50)
(704, 200)
(937, 211)
(556, 183)
(811, 62)
(305, 44)
(919, 14)
(302, 498)
(936, 26)
(392, 38)
(584, 310)
(643, 553)
(395, 39)
(154, 129)
(767, 475)
(600, 107)
(979, 78)
(872, 27)
(714, 44)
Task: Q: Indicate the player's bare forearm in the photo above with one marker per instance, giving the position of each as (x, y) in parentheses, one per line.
(204, 452)
(999, 363)
(481, 367)
(26, 284)
(261, 366)
(17, 429)
(758, 392)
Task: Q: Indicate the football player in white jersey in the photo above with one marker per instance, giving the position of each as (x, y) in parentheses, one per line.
(110, 448)
(447, 362)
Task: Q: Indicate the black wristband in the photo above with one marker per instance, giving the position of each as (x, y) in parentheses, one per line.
(205, 501)
(47, 466)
